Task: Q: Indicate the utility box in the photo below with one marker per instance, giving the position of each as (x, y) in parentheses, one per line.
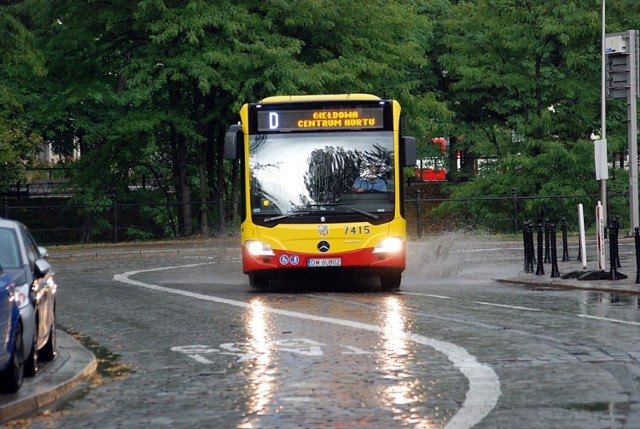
(615, 45)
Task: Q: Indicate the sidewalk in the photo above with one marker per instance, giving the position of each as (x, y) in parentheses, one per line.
(571, 269)
(72, 365)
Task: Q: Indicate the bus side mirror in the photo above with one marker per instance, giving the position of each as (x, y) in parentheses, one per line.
(231, 139)
(408, 146)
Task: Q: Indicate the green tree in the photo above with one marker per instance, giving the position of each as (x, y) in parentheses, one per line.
(19, 60)
(524, 80)
(149, 87)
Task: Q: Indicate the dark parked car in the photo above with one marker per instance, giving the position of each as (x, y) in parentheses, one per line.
(35, 290)
(12, 347)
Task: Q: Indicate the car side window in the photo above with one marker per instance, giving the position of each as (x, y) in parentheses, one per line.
(8, 248)
(32, 250)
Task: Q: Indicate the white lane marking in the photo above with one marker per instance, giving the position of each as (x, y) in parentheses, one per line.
(426, 294)
(515, 307)
(484, 385)
(353, 350)
(200, 359)
(606, 319)
(194, 349)
(302, 346)
(298, 399)
(491, 249)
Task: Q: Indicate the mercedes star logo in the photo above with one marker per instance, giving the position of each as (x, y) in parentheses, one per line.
(323, 246)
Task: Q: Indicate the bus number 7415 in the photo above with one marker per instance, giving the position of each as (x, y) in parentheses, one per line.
(356, 230)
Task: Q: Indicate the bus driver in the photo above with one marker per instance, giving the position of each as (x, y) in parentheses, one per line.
(369, 180)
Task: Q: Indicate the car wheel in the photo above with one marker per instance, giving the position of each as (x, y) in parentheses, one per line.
(391, 281)
(48, 352)
(31, 363)
(11, 378)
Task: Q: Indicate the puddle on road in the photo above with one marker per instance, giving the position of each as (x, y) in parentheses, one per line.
(594, 406)
(613, 299)
(616, 412)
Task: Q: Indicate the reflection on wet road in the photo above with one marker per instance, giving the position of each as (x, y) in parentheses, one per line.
(483, 384)
(405, 390)
(259, 370)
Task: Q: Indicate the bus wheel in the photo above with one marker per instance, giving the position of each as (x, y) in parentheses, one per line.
(391, 281)
(258, 281)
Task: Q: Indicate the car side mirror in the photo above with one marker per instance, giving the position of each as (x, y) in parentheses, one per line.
(41, 268)
(44, 253)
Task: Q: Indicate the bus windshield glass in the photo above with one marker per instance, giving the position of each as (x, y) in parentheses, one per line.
(341, 172)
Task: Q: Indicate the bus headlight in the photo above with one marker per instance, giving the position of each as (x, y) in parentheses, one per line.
(389, 245)
(258, 248)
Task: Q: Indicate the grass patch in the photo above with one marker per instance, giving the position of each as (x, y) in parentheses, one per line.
(109, 365)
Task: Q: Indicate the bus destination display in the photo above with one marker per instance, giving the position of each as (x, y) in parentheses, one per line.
(310, 120)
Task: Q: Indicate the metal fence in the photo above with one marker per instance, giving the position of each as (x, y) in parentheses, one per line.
(58, 221)
(509, 214)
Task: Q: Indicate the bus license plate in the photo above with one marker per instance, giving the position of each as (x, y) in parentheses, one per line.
(324, 262)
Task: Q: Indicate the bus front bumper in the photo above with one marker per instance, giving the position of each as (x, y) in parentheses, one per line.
(364, 260)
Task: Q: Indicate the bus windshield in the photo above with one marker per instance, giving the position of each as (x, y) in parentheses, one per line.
(301, 173)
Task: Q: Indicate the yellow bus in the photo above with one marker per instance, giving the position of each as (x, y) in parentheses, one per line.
(322, 188)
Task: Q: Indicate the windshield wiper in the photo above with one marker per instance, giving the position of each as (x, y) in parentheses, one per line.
(322, 205)
(284, 216)
(371, 215)
(315, 211)
(368, 214)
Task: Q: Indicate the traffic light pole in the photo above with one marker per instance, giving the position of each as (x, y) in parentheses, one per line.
(621, 50)
(602, 172)
(633, 131)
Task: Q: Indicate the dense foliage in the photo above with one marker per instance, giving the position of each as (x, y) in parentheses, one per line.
(145, 89)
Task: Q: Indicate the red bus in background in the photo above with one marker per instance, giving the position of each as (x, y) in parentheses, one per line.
(433, 169)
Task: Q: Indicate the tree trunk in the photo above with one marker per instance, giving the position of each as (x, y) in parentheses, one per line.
(182, 189)
(201, 110)
(221, 184)
(202, 171)
(179, 160)
(234, 196)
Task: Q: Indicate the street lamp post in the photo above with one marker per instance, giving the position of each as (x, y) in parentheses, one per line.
(603, 117)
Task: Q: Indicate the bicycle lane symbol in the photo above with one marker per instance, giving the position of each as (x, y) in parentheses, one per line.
(243, 350)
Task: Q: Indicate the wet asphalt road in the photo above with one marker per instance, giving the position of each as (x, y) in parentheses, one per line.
(453, 349)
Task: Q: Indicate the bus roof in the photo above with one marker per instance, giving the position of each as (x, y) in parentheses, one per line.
(336, 97)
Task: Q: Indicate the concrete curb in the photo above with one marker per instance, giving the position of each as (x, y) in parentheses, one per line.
(594, 287)
(73, 365)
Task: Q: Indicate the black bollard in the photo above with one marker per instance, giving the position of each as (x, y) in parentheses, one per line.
(525, 244)
(616, 222)
(565, 245)
(532, 252)
(555, 272)
(547, 256)
(636, 237)
(579, 258)
(540, 267)
(613, 273)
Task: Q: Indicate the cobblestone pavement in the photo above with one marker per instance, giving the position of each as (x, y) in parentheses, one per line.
(203, 350)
